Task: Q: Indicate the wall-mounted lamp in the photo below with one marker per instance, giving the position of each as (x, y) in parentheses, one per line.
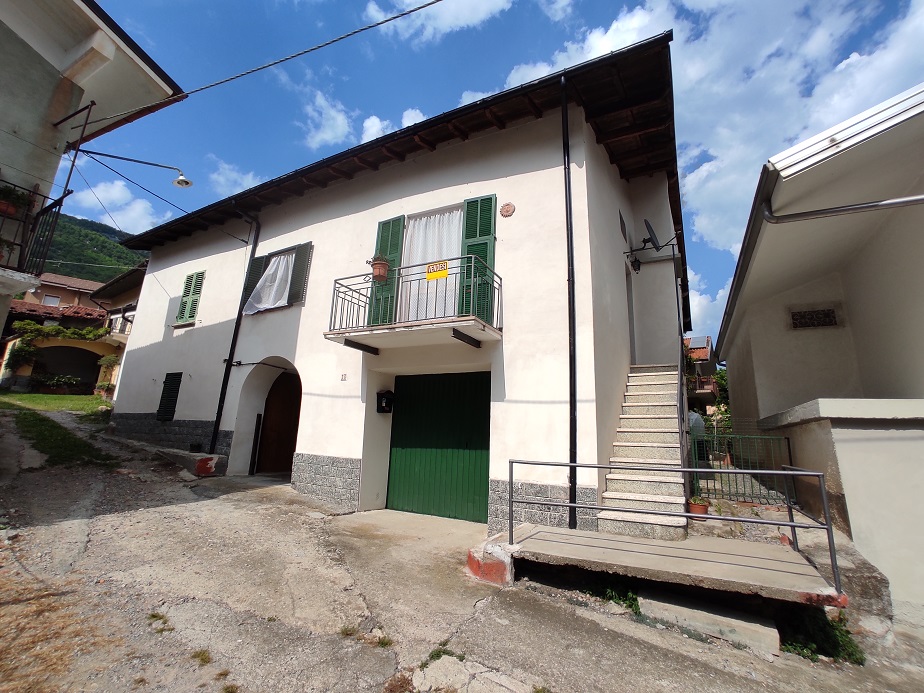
(635, 264)
(181, 181)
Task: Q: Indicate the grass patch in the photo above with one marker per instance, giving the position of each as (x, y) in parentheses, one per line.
(85, 404)
(348, 631)
(230, 688)
(384, 641)
(61, 446)
(542, 689)
(618, 594)
(809, 633)
(439, 653)
(402, 682)
(223, 674)
(202, 656)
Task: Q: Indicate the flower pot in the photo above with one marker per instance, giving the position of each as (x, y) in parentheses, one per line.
(8, 209)
(379, 270)
(698, 509)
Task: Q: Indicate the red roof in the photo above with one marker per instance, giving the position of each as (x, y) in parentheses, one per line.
(69, 282)
(55, 312)
(699, 353)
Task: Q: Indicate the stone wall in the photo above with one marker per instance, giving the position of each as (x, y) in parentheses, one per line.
(331, 480)
(179, 434)
(547, 515)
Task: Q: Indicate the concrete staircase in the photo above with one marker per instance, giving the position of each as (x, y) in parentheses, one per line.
(647, 436)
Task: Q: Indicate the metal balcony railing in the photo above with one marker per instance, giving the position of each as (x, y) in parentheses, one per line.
(702, 384)
(26, 232)
(120, 325)
(455, 287)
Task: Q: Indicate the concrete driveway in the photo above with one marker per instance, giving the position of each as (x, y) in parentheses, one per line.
(140, 579)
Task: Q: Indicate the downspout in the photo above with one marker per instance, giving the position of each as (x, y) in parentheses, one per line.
(229, 362)
(572, 350)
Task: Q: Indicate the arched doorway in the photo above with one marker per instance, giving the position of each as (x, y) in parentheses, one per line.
(279, 425)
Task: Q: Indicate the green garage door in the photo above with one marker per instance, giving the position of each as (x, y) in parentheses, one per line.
(440, 433)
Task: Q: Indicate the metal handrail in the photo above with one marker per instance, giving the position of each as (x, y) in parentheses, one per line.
(789, 471)
(351, 302)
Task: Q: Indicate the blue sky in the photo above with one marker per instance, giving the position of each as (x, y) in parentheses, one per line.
(751, 78)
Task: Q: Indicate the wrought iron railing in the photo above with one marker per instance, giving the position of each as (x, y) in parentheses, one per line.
(25, 237)
(118, 324)
(702, 384)
(712, 452)
(455, 287)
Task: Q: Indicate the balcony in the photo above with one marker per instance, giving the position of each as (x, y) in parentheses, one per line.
(458, 299)
(27, 226)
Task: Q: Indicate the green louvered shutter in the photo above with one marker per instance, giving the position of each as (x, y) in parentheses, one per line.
(298, 285)
(384, 294)
(189, 302)
(254, 272)
(168, 396)
(476, 291)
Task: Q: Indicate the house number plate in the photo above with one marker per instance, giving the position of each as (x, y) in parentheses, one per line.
(438, 270)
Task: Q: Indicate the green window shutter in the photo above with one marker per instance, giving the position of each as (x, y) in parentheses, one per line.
(476, 290)
(189, 302)
(388, 243)
(298, 284)
(254, 272)
(168, 396)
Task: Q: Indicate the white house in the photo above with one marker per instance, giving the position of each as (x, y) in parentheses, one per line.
(65, 67)
(470, 330)
(824, 326)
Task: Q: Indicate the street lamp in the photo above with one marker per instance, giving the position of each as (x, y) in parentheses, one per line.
(181, 181)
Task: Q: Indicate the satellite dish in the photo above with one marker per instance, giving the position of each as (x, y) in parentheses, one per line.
(652, 238)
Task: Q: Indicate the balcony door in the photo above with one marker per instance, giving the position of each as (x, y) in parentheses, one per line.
(430, 237)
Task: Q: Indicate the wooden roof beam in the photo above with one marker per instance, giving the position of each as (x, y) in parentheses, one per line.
(495, 121)
(391, 153)
(624, 105)
(631, 131)
(458, 131)
(419, 139)
(340, 173)
(533, 106)
(366, 164)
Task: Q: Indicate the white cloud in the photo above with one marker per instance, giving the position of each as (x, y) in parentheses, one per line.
(411, 116)
(326, 121)
(131, 214)
(472, 96)
(556, 10)
(706, 310)
(374, 127)
(228, 179)
(434, 22)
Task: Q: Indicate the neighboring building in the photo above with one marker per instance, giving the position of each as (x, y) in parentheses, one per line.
(59, 290)
(56, 56)
(823, 329)
(414, 392)
(702, 389)
(119, 297)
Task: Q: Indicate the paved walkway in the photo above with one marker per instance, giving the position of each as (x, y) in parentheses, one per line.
(769, 570)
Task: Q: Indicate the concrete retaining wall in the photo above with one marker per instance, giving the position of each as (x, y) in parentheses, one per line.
(547, 515)
(332, 480)
(179, 433)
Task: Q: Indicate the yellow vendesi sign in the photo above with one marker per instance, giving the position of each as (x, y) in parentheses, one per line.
(438, 270)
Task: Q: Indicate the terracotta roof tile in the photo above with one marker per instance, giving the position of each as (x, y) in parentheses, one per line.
(54, 312)
(69, 282)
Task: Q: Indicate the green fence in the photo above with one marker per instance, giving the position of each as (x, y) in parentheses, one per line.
(714, 452)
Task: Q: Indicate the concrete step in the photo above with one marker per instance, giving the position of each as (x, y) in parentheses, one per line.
(620, 462)
(633, 482)
(662, 451)
(635, 388)
(644, 501)
(650, 409)
(642, 525)
(646, 435)
(653, 378)
(640, 421)
(653, 368)
(649, 397)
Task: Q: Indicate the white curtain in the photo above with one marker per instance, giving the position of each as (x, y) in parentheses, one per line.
(429, 238)
(272, 291)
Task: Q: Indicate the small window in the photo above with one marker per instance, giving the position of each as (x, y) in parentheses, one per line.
(168, 396)
(189, 302)
(277, 280)
(804, 319)
(49, 300)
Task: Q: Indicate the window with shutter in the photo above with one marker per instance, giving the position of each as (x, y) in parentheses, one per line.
(388, 244)
(476, 290)
(277, 280)
(168, 396)
(189, 301)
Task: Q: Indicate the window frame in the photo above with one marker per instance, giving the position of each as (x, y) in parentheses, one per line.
(298, 287)
(184, 316)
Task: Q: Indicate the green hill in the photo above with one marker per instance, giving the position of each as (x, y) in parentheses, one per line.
(89, 250)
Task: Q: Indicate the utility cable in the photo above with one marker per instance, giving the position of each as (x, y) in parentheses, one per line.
(183, 95)
(150, 192)
(80, 173)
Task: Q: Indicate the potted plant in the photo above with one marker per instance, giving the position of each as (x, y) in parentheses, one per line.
(698, 505)
(12, 199)
(379, 265)
(104, 389)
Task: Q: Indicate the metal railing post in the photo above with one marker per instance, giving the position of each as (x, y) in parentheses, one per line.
(510, 504)
(795, 540)
(831, 550)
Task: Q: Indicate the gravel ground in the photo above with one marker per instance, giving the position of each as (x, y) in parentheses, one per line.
(144, 579)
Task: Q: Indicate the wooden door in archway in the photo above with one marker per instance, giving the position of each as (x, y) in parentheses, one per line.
(280, 425)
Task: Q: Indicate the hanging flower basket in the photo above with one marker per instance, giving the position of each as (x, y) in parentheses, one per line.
(379, 268)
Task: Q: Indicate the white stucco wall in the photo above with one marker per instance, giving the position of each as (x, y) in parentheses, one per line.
(883, 286)
(529, 399)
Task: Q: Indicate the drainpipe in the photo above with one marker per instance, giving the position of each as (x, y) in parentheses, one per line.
(772, 218)
(229, 362)
(572, 351)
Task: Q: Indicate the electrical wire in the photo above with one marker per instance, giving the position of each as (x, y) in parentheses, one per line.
(87, 264)
(246, 73)
(150, 192)
(80, 173)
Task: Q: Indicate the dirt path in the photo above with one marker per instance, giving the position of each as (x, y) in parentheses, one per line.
(113, 581)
